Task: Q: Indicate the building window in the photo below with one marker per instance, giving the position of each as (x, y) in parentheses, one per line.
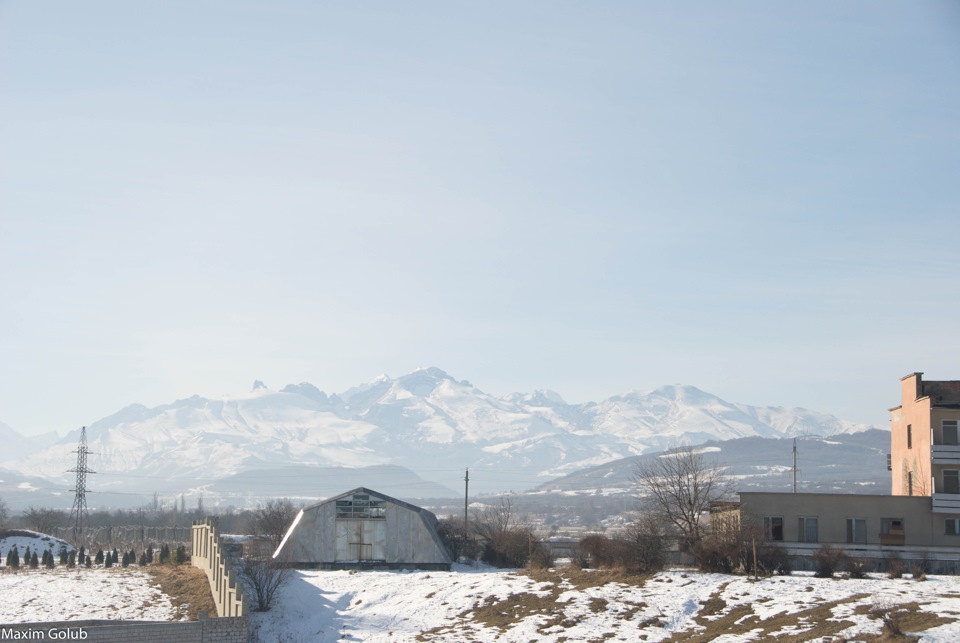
(361, 505)
(909, 436)
(807, 530)
(773, 527)
(909, 483)
(952, 527)
(951, 481)
(949, 428)
(891, 531)
(857, 531)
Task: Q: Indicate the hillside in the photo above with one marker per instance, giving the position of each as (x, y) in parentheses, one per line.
(850, 463)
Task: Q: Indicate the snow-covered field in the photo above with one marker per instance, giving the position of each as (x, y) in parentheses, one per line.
(494, 605)
(64, 594)
(472, 604)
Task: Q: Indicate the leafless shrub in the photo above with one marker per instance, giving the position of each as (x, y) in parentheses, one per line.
(890, 615)
(894, 566)
(717, 555)
(921, 567)
(263, 575)
(506, 539)
(648, 538)
(856, 568)
(639, 549)
(459, 541)
(540, 557)
(828, 560)
(602, 551)
(741, 547)
(773, 559)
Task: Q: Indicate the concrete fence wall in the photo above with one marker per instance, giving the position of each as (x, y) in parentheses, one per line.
(210, 556)
(206, 630)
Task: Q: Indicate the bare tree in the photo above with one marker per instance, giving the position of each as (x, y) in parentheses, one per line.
(44, 519)
(263, 575)
(273, 519)
(491, 521)
(507, 539)
(679, 486)
(457, 539)
(4, 514)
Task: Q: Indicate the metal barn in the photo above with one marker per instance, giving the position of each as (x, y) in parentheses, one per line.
(365, 529)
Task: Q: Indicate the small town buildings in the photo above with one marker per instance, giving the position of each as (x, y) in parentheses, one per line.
(364, 529)
(920, 520)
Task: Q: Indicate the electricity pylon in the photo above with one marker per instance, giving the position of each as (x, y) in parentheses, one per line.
(78, 514)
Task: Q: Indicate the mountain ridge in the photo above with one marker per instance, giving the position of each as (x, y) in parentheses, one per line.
(426, 421)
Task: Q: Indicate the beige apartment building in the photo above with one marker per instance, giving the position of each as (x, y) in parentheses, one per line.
(921, 517)
(924, 445)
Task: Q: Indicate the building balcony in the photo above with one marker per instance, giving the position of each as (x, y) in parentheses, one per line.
(948, 454)
(892, 539)
(946, 503)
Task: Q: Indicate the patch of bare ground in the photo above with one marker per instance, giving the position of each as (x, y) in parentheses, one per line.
(811, 624)
(910, 618)
(503, 613)
(187, 587)
(585, 578)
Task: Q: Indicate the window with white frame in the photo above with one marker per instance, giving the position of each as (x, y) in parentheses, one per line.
(361, 505)
(952, 526)
(857, 531)
(949, 431)
(807, 529)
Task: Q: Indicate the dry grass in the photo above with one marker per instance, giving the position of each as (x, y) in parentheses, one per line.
(187, 587)
(507, 612)
(585, 578)
(910, 619)
(812, 623)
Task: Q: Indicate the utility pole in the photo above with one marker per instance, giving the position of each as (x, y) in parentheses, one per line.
(466, 494)
(795, 465)
(78, 513)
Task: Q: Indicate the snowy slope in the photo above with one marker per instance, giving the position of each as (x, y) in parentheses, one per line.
(24, 539)
(425, 421)
(502, 606)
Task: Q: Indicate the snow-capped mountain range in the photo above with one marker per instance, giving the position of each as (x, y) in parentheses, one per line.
(425, 421)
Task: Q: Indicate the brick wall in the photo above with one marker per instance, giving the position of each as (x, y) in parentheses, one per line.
(206, 630)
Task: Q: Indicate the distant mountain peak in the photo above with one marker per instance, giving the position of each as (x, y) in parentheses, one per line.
(423, 381)
(257, 385)
(430, 371)
(539, 397)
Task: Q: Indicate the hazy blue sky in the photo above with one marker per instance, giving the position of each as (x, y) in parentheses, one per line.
(759, 199)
